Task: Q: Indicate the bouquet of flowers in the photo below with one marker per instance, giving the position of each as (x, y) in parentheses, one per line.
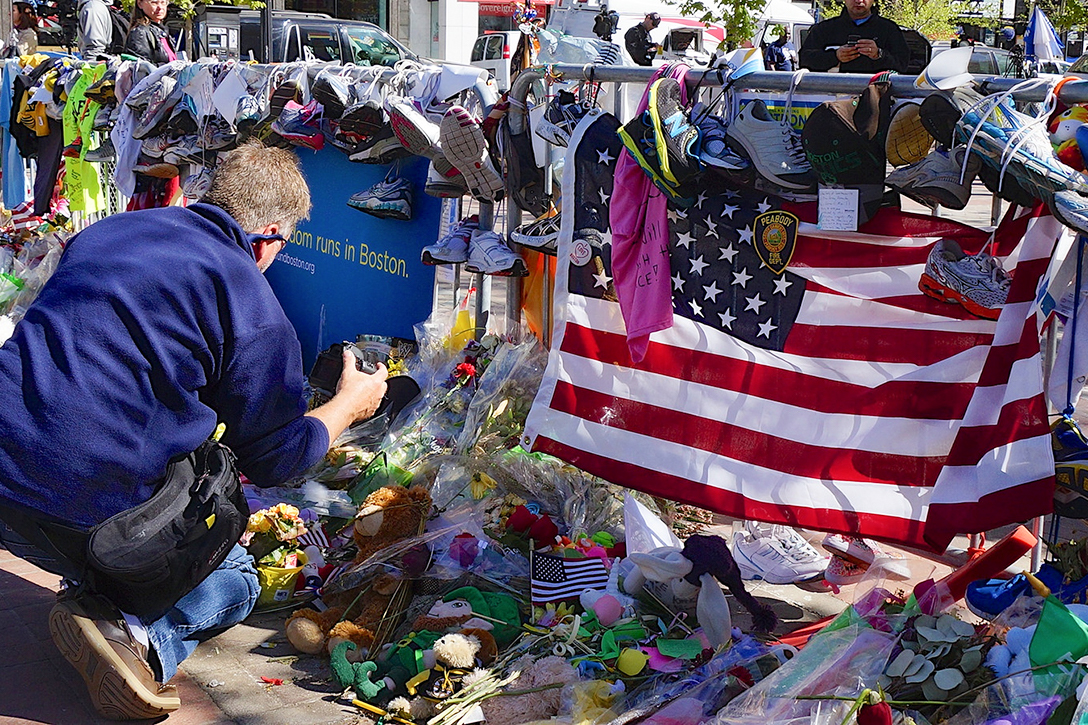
(271, 529)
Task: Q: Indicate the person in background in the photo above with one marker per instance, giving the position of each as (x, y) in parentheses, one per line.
(779, 54)
(637, 39)
(858, 40)
(24, 30)
(95, 31)
(147, 36)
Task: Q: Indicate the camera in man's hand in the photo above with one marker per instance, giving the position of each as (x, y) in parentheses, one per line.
(329, 366)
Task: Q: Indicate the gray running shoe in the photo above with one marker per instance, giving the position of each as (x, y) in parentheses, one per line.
(978, 282)
(773, 147)
(935, 180)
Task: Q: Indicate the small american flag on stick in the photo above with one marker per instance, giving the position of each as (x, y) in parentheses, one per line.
(555, 578)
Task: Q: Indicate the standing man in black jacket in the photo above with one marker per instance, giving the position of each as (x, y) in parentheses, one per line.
(857, 41)
(638, 42)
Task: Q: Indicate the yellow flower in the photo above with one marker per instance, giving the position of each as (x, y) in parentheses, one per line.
(481, 483)
(258, 523)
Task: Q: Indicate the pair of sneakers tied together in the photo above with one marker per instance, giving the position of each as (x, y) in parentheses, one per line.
(673, 144)
(480, 250)
(778, 554)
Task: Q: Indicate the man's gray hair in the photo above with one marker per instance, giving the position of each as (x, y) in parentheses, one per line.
(260, 185)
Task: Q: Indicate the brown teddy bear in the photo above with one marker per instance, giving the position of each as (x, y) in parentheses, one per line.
(388, 515)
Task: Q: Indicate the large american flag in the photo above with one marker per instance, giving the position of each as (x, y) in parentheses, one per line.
(835, 396)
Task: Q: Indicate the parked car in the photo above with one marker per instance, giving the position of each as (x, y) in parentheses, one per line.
(316, 36)
(1052, 68)
(985, 61)
(493, 51)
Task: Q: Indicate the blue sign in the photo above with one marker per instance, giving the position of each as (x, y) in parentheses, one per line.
(346, 272)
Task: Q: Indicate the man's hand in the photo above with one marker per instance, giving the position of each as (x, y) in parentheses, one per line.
(868, 48)
(847, 53)
(362, 392)
(358, 396)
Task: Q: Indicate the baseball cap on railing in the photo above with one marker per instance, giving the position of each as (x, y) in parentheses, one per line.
(947, 70)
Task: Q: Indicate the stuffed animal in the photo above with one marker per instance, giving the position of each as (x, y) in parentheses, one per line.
(536, 673)
(450, 658)
(490, 619)
(388, 515)
(689, 579)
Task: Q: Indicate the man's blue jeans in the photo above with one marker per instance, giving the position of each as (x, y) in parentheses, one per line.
(222, 600)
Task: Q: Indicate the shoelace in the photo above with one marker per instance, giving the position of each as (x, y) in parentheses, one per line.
(991, 266)
(794, 151)
(794, 546)
(991, 104)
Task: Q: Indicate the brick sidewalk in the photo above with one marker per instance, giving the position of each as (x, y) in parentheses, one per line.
(36, 684)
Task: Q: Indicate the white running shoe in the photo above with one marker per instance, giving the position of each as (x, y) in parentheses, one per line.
(773, 147)
(776, 554)
(935, 180)
(488, 253)
(465, 147)
(452, 248)
(865, 553)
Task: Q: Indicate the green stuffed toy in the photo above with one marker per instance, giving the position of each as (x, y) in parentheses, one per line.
(486, 615)
(355, 675)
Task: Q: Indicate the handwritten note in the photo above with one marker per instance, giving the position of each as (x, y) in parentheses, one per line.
(838, 209)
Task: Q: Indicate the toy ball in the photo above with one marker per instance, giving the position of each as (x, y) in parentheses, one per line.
(608, 609)
(1066, 123)
(1007, 33)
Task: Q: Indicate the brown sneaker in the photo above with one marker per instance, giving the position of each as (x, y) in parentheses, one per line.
(93, 637)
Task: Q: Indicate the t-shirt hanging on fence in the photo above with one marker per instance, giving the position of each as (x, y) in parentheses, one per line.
(834, 395)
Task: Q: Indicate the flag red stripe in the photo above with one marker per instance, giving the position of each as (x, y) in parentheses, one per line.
(1028, 500)
(876, 344)
(922, 400)
(1000, 358)
(875, 526)
(1017, 421)
(1027, 269)
(745, 445)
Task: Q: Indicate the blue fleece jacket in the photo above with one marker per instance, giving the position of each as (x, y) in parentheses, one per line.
(155, 326)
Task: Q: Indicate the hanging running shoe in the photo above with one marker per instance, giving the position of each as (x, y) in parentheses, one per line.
(560, 117)
(390, 198)
(976, 281)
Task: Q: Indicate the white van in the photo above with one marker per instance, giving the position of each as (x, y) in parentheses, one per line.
(794, 18)
(682, 38)
(493, 51)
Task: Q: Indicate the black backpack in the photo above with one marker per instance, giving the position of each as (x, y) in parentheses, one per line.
(120, 24)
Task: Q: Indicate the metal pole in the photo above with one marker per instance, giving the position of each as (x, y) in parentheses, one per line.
(266, 33)
(844, 83)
